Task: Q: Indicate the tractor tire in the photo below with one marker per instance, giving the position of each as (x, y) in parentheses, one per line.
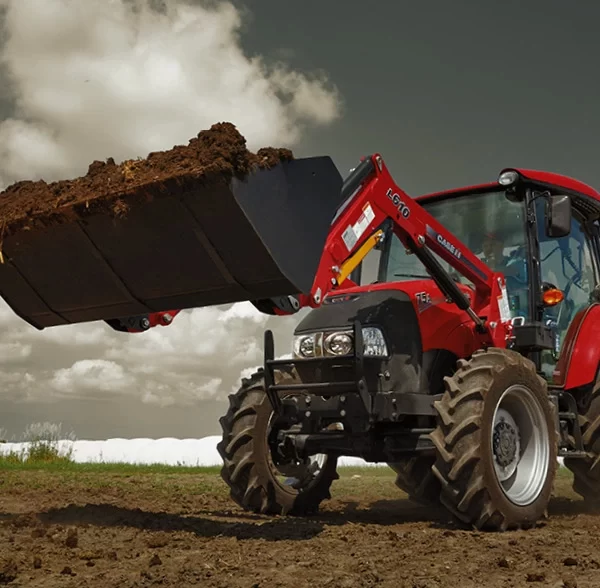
(496, 412)
(586, 471)
(415, 477)
(248, 468)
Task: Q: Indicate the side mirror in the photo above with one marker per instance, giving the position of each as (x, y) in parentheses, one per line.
(558, 215)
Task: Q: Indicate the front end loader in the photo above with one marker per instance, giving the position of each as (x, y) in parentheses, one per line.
(465, 366)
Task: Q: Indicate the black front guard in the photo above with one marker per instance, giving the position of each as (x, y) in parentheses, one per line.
(376, 424)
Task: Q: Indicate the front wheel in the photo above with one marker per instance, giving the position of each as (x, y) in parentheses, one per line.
(415, 478)
(496, 442)
(255, 483)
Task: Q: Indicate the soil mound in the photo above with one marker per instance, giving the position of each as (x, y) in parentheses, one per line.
(218, 153)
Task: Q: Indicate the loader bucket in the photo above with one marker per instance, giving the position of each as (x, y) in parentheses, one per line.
(183, 243)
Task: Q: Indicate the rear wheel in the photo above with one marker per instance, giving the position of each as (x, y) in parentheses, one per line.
(255, 483)
(496, 442)
(586, 471)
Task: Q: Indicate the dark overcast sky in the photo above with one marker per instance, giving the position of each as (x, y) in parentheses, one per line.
(448, 92)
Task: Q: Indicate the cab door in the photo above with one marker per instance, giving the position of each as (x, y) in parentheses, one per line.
(570, 264)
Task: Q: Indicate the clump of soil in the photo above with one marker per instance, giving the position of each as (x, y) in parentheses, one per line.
(216, 154)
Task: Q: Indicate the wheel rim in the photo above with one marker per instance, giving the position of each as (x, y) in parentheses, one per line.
(299, 475)
(520, 445)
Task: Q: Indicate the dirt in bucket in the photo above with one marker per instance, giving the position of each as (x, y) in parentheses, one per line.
(216, 154)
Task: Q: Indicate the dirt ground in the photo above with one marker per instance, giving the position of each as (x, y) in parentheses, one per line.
(84, 528)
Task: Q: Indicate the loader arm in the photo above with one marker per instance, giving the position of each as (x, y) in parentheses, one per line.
(375, 197)
(370, 198)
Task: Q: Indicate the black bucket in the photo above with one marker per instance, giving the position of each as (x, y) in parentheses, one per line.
(191, 244)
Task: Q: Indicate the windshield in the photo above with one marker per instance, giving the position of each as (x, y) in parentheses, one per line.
(490, 226)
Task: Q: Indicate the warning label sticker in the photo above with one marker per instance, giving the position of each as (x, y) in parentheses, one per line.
(354, 232)
(349, 237)
(503, 305)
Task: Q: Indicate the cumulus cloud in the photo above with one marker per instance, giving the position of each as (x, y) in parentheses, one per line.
(94, 374)
(9, 351)
(113, 78)
(117, 78)
(201, 356)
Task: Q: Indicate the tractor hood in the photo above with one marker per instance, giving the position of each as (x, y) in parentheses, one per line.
(391, 334)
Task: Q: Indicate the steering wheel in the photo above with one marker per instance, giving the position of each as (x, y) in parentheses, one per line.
(518, 282)
(517, 285)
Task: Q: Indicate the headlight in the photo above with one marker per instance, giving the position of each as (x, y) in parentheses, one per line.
(305, 346)
(339, 344)
(508, 177)
(374, 343)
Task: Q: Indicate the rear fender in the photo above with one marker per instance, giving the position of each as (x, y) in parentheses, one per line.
(578, 362)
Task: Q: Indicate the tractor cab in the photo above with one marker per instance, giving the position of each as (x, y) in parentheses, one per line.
(543, 235)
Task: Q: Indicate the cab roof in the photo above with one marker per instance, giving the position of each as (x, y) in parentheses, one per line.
(548, 178)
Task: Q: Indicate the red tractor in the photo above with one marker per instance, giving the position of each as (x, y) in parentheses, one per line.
(468, 365)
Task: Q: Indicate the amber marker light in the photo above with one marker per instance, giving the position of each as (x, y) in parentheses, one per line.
(552, 297)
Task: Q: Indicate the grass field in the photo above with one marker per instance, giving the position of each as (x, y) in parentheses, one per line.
(372, 483)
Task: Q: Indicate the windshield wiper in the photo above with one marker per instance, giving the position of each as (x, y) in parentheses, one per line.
(413, 276)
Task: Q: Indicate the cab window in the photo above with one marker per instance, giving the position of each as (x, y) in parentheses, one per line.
(490, 226)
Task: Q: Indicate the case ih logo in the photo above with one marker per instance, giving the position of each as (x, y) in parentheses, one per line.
(397, 201)
(447, 245)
